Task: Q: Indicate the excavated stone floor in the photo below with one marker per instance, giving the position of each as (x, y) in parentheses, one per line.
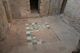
(59, 38)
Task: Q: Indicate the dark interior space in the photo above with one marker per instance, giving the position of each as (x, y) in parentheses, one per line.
(34, 6)
(63, 6)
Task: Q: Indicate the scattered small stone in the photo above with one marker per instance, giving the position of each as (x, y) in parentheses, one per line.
(27, 28)
(34, 41)
(28, 32)
(35, 27)
(29, 38)
(48, 26)
(34, 37)
(33, 23)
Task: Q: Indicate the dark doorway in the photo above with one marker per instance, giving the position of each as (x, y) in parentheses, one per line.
(34, 5)
(63, 6)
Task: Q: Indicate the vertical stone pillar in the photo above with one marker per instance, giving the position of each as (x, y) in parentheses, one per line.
(3, 27)
(3, 21)
(7, 10)
(44, 6)
(14, 5)
(55, 6)
(24, 8)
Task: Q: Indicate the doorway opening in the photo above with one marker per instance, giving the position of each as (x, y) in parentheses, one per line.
(34, 6)
(63, 6)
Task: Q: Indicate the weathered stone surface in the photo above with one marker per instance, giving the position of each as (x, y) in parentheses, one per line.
(3, 19)
(44, 6)
(73, 11)
(21, 8)
(3, 29)
(8, 12)
(55, 6)
(14, 5)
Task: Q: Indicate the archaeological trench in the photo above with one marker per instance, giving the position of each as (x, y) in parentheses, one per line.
(62, 14)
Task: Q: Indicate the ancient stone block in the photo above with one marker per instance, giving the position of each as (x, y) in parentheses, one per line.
(3, 28)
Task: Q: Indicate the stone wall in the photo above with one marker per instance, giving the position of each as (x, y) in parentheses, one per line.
(14, 6)
(44, 7)
(21, 8)
(3, 20)
(3, 29)
(55, 7)
(25, 8)
(72, 10)
(7, 10)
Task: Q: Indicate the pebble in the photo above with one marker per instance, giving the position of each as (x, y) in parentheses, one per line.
(28, 32)
(27, 28)
(33, 23)
(48, 26)
(35, 27)
(29, 38)
(34, 37)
